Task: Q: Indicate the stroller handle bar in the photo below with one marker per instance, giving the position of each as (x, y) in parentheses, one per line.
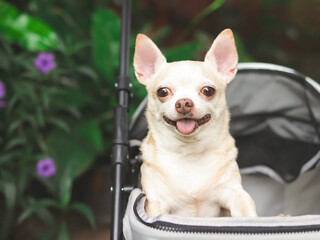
(120, 146)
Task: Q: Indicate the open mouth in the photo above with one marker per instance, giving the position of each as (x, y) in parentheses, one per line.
(188, 125)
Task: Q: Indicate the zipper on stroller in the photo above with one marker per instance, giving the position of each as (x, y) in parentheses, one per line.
(245, 230)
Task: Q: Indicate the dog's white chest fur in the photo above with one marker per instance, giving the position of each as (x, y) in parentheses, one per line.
(189, 173)
(187, 184)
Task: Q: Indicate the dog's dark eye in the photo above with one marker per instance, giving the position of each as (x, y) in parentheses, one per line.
(208, 91)
(163, 92)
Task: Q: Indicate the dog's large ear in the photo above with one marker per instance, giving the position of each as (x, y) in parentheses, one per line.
(147, 59)
(223, 55)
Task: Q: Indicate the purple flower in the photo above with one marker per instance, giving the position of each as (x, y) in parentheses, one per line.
(2, 90)
(46, 168)
(2, 94)
(45, 62)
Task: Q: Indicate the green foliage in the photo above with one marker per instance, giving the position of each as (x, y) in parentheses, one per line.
(32, 34)
(63, 232)
(40, 115)
(106, 45)
(85, 211)
(9, 191)
(74, 151)
(36, 206)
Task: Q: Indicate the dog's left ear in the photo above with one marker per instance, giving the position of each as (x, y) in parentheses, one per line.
(223, 55)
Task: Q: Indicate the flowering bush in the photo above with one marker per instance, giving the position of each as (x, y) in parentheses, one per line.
(48, 136)
(37, 120)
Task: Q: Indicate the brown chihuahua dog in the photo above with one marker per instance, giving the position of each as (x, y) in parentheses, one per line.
(189, 157)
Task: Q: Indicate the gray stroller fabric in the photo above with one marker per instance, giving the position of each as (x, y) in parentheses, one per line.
(138, 226)
(272, 198)
(271, 122)
(299, 200)
(258, 101)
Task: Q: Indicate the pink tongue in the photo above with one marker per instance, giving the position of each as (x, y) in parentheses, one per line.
(186, 126)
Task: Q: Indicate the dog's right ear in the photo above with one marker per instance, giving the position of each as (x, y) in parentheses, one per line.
(147, 59)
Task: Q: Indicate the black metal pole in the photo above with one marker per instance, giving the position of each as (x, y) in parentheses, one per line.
(120, 147)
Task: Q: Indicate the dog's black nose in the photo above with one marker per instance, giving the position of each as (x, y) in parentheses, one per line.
(184, 105)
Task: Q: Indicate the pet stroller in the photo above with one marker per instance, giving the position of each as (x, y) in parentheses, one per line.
(275, 115)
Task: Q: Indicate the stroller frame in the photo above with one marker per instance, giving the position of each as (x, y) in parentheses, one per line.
(120, 145)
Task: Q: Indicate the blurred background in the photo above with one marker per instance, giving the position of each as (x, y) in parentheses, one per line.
(59, 61)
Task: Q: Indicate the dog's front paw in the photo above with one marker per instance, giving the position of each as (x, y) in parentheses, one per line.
(239, 203)
(153, 208)
(243, 206)
(244, 211)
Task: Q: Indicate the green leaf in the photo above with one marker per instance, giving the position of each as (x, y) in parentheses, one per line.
(30, 33)
(85, 211)
(63, 232)
(30, 118)
(14, 100)
(75, 98)
(69, 152)
(69, 46)
(80, 46)
(47, 216)
(14, 125)
(88, 72)
(35, 207)
(75, 112)
(40, 116)
(59, 123)
(14, 143)
(4, 61)
(9, 191)
(92, 133)
(46, 97)
(65, 190)
(9, 156)
(42, 143)
(106, 43)
(8, 187)
(74, 152)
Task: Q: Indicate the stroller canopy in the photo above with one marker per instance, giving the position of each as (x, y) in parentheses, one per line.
(275, 115)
